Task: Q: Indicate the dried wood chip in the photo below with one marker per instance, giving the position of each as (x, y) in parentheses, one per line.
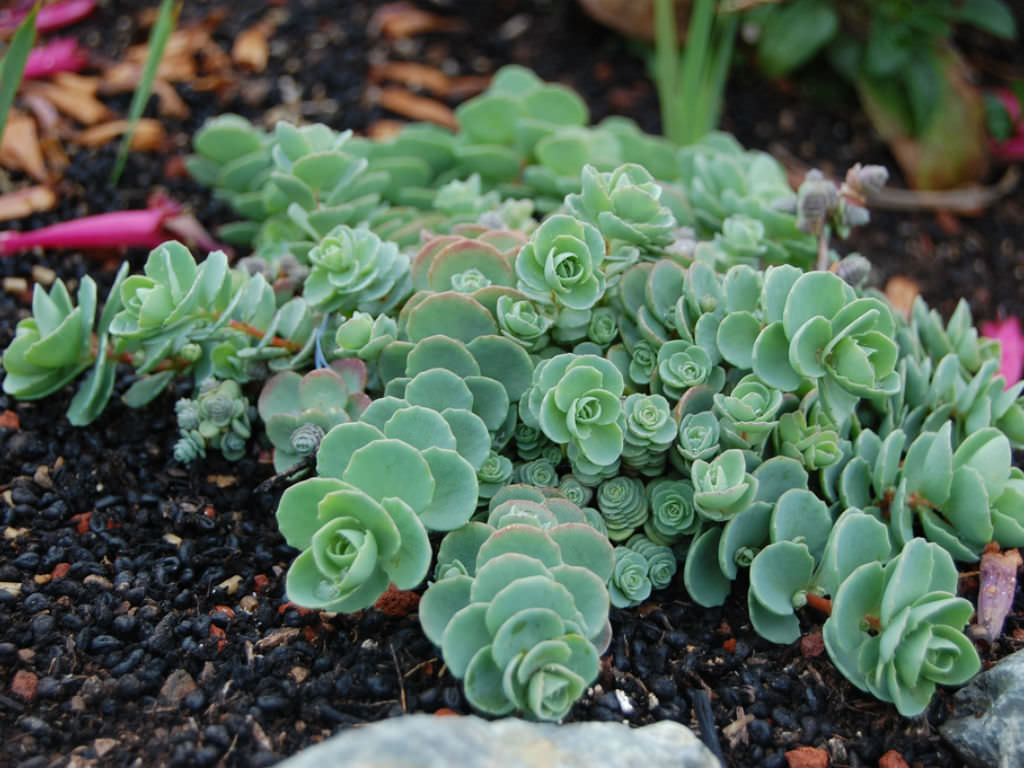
(421, 76)
(87, 83)
(124, 76)
(25, 202)
(80, 106)
(149, 136)
(43, 275)
(408, 104)
(276, 637)
(21, 150)
(901, 292)
(169, 103)
(57, 159)
(252, 47)
(379, 130)
(398, 20)
(43, 111)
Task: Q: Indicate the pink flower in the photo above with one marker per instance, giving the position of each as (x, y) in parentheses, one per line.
(50, 17)
(146, 228)
(1007, 333)
(61, 55)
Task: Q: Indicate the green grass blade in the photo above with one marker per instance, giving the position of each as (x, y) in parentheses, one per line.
(694, 66)
(158, 37)
(13, 65)
(666, 57)
(710, 104)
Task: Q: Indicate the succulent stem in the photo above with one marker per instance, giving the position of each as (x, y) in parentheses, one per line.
(819, 603)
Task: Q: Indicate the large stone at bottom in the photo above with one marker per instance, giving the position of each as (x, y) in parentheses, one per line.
(426, 741)
(986, 727)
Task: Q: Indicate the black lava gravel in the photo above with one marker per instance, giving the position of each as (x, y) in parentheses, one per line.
(142, 616)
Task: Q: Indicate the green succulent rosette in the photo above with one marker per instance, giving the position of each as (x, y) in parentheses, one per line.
(494, 474)
(353, 269)
(747, 414)
(524, 322)
(525, 620)
(682, 365)
(560, 263)
(672, 511)
(844, 344)
(698, 437)
(364, 336)
(813, 445)
(298, 411)
(575, 400)
(623, 505)
(661, 562)
(353, 546)
(648, 434)
(630, 583)
(896, 630)
(722, 488)
(623, 204)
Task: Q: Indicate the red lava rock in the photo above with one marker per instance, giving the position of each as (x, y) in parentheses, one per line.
(259, 581)
(397, 602)
(9, 420)
(812, 645)
(60, 570)
(445, 712)
(807, 757)
(730, 645)
(81, 522)
(892, 759)
(221, 635)
(24, 685)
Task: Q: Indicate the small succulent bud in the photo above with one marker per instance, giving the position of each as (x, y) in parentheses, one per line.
(306, 439)
(191, 352)
(187, 413)
(817, 198)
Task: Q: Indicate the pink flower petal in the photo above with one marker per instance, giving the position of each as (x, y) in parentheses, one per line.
(1007, 333)
(61, 55)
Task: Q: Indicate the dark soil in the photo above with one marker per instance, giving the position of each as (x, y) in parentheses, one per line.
(142, 617)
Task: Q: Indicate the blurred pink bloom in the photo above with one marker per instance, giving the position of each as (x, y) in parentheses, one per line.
(1007, 333)
(147, 228)
(54, 16)
(61, 55)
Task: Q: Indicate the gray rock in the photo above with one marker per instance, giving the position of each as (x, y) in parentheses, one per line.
(986, 727)
(426, 741)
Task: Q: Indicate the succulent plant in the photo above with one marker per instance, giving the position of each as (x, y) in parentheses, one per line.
(718, 406)
(298, 411)
(353, 544)
(218, 418)
(354, 269)
(844, 344)
(525, 616)
(623, 205)
(623, 505)
(672, 513)
(574, 400)
(560, 263)
(648, 434)
(896, 629)
(722, 488)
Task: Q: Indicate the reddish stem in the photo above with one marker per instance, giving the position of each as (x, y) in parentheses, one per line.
(256, 333)
(819, 603)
